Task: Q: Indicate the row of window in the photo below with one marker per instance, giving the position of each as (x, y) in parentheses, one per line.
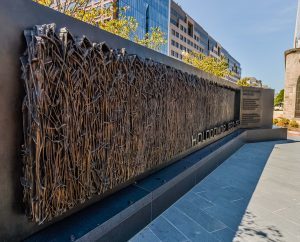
(184, 39)
(175, 54)
(177, 45)
(211, 44)
(200, 37)
(178, 55)
(149, 14)
(183, 48)
(175, 21)
(175, 33)
(184, 29)
(176, 15)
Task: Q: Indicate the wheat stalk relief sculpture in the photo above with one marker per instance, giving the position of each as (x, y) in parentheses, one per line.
(96, 118)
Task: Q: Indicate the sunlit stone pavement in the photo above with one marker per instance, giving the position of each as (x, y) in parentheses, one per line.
(253, 196)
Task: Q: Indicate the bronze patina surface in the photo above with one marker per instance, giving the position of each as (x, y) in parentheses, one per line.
(95, 118)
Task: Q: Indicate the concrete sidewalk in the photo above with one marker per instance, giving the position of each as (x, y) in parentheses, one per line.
(253, 196)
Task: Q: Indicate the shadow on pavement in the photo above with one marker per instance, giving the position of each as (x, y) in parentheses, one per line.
(230, 204)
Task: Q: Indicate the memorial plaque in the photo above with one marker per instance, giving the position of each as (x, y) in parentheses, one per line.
(251, 107)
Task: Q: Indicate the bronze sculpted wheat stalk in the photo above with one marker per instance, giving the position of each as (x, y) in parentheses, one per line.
(96, 118)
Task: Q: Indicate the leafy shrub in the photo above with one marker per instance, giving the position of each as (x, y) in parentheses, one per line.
(285, 121)
(281, 123)
(294, 124)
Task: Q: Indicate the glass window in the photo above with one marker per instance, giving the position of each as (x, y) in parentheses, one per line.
(107, 5)
(149, 14)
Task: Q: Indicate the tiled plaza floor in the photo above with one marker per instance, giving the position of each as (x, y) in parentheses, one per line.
(253, 196)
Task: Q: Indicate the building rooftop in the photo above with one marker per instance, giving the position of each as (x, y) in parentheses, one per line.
(253, 196)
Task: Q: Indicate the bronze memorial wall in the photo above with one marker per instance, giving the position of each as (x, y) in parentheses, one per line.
(96, 118)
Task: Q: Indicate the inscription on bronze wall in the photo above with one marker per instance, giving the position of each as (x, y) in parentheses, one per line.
(208, 134)
(251, 107)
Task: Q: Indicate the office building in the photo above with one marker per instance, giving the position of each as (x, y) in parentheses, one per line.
(187, 35)
(181, 31)
(148, 13)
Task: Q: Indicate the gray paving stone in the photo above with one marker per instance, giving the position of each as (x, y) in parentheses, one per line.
(290, 213)
(220, 195)
(253, 196)
(286, 227)
(146, 235)
(224, 235)
(269, 203)
(229, 214)
(192, 210)
(200, 202)
(191, 229)
(208, 184)
(165, 231)
(254, 228)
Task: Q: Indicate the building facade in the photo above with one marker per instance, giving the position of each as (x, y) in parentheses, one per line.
(181, 31)
(149, 14)
(292, 76)
(187, 35)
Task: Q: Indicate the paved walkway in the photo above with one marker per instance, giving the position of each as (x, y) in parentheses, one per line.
(253, 196)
